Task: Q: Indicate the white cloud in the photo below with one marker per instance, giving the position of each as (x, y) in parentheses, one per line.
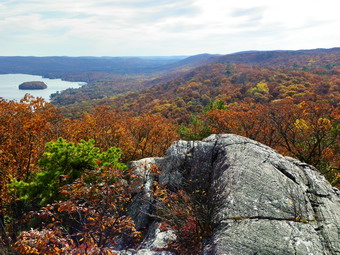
(164, 27)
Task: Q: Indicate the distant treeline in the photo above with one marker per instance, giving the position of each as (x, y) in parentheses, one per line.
(57, 65)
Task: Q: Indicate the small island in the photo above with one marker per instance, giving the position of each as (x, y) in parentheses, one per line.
(33, 85)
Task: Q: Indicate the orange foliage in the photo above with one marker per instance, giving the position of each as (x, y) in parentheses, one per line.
(307, 131)
(25, 127)
(90, 220)
(143, 136)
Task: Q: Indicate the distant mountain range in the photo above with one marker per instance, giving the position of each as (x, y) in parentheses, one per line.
(282, 57)
(185, 86)
(150, 65)
(117, 65)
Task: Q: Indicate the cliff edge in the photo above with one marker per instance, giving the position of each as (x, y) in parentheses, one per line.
(265, 203)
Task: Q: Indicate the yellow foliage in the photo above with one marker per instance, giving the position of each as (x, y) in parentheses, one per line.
(324, 123)
(301, 124)
(262, 87)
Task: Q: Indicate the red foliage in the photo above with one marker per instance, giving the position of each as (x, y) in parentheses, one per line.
(90, 220)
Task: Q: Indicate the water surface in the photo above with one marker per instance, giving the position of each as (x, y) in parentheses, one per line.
(9, 86)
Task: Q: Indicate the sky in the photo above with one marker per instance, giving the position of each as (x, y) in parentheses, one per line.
(165, 27)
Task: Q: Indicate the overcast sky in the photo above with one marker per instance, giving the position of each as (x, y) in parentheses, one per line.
(164, 27)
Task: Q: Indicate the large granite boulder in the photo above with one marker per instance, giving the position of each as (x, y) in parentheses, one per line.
(265, 203)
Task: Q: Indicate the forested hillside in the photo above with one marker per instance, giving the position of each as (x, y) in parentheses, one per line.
(298, 73)
(58, 66)
(57, 159)
(287, 100)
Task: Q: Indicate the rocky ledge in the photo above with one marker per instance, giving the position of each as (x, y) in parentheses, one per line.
(268, 203)
(33, 85)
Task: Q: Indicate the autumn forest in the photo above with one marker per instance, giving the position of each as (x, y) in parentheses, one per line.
(64, 165)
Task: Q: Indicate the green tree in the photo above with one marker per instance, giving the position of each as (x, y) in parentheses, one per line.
(215, 105)
(91, 219)
(196, 129)
(62, 163)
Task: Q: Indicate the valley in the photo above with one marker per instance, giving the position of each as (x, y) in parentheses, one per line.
(146, 112)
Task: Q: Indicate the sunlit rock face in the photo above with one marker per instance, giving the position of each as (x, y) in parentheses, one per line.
(265, 203)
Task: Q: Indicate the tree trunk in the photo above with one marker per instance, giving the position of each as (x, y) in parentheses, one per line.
(3, 234)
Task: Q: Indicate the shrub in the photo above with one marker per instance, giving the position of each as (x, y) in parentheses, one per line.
(90, 220)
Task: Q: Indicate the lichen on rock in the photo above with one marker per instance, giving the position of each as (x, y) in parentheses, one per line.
(267, 203)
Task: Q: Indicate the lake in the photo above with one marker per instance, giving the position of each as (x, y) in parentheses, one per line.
(9, 86)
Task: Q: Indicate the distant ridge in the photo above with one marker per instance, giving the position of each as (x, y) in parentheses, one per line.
(198, 57)
(46, 65)
(277, 57)
(301, 51)
(190, 62)
(56, 66)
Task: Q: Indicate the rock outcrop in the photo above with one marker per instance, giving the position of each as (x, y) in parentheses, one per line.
(267, 203)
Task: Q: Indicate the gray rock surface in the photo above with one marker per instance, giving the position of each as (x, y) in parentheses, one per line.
(263, 202)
